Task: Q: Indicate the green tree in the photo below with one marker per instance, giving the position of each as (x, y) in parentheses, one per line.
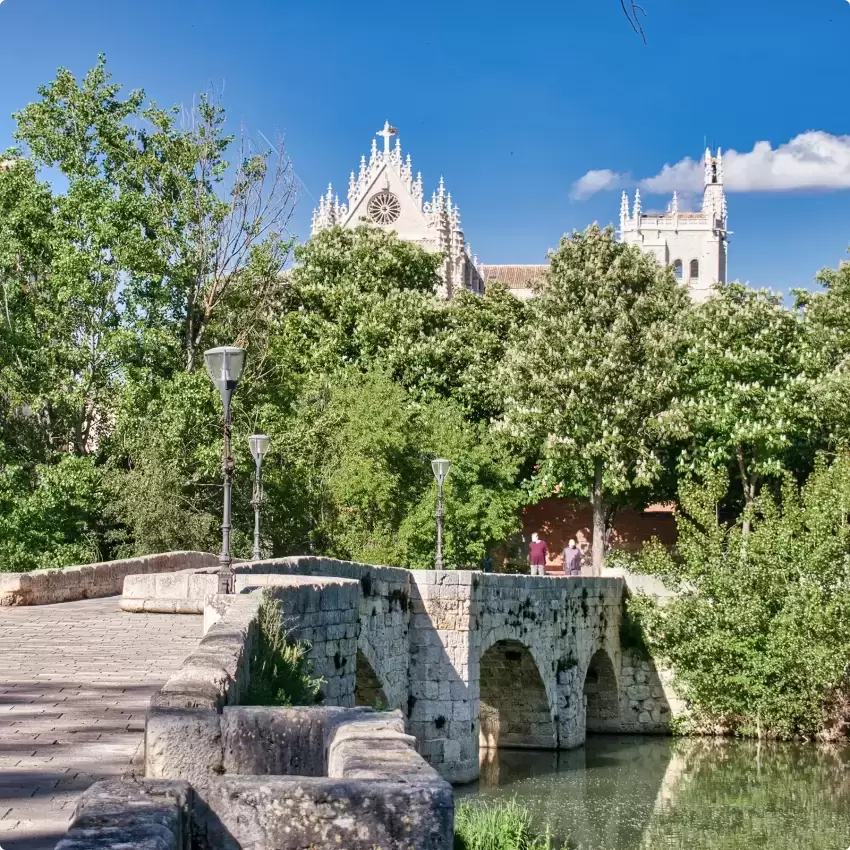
(743, 392)
(826, 351)
(472, 347)
(153, 247)
(189, 231)
(756, 633)
(52, 515)
(361, 447)
(593, 374)
(360, 297)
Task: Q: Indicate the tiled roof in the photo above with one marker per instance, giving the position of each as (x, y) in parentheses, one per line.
(515, 277)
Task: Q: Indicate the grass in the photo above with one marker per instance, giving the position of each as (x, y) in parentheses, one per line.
(281, 673)
(497, 826)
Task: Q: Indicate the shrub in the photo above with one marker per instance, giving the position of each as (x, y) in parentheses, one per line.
(281, 673)
(757, 633)
(497, 826)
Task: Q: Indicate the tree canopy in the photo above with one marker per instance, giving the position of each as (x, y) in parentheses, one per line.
(593, 374)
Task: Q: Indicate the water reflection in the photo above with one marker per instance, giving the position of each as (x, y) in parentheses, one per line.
(638, 793)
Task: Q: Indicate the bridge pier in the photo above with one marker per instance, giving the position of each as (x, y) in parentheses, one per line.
(501, 661)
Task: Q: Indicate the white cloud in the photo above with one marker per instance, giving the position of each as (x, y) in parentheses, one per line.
(685, 176)
(598, 181)
(812, 160)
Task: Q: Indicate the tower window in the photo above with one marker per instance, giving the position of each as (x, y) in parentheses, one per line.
(677, 269)
(694, 269)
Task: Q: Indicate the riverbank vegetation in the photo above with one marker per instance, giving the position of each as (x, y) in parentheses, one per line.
(757, 633)
(131, 240)
(497, 826)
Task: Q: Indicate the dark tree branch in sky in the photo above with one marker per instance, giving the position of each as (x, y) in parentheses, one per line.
(633, 12)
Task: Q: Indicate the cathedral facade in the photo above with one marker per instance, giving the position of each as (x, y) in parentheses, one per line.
(385, 193)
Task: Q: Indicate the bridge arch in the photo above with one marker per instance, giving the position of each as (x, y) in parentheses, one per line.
(514, 703)
(601, 694)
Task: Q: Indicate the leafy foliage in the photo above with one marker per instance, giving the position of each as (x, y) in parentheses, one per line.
(496, 826)
(756, 634)
(743, 388)
(826, 350)
(280, 667)
(594, 372)
(52, 514)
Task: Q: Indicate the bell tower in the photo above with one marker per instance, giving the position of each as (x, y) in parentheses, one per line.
(693, 243)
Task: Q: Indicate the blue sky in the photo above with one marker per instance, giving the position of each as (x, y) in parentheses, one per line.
(512, 103)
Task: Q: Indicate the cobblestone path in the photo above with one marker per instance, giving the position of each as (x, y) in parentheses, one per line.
(75, 680)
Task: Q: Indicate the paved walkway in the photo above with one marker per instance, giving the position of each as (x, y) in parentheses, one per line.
(75, 680)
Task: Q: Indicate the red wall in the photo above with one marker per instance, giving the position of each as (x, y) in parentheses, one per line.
(557, 520)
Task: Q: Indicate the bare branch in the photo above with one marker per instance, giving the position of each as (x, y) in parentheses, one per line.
(633, 11)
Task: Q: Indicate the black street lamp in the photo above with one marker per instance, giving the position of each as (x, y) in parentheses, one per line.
(259, 449)
(224, 365)
(441, 468)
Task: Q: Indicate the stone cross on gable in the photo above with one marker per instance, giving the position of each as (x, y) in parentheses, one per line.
(388, 132)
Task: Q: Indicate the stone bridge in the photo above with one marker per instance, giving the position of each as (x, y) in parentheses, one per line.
(473, 660)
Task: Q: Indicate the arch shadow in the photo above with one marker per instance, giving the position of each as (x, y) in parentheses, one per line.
(514, 706)
(601, 695)
(368, 690)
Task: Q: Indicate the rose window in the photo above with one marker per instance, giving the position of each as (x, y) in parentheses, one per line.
(384, 208)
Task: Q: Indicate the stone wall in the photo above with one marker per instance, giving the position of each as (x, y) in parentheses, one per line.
(277, 779)
(290, 778)
(87, 581)
(142, 814)
(648, 698)
(374, 791)
(473, 660)
(553, 626)
(320, 611)
(383, 607)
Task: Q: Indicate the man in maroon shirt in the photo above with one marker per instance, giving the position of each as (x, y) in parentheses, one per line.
(537, 552)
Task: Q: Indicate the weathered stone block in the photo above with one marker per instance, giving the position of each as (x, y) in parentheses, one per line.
(276, 741)
(296, 813)
(145, 814)
(638, 692)
(183, 744)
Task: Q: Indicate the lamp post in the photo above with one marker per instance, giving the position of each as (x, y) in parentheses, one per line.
(259, 449)
(441, 468)
(224, 366)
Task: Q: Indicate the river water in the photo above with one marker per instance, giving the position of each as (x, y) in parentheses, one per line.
(639, 793)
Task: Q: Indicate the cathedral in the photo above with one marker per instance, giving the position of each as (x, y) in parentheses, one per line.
(694, 243)
(385, 193)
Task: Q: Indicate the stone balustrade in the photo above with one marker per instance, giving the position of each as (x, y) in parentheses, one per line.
(87, 581)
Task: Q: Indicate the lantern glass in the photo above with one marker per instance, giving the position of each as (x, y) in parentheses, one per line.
(441, 468)
(259, 446)
(224, 366)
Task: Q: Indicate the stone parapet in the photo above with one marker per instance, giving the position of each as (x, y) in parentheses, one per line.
(142, 814)
(217, 672)
(384, 606)
(293, 813)
(301, 777)
(87, 581)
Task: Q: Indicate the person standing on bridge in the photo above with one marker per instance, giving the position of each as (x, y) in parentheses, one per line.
(572, 559)
(537, 552)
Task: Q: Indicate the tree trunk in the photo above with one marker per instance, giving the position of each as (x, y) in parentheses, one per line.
(597, 501)
(750, 485)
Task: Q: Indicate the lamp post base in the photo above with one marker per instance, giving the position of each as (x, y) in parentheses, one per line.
(226, 578)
